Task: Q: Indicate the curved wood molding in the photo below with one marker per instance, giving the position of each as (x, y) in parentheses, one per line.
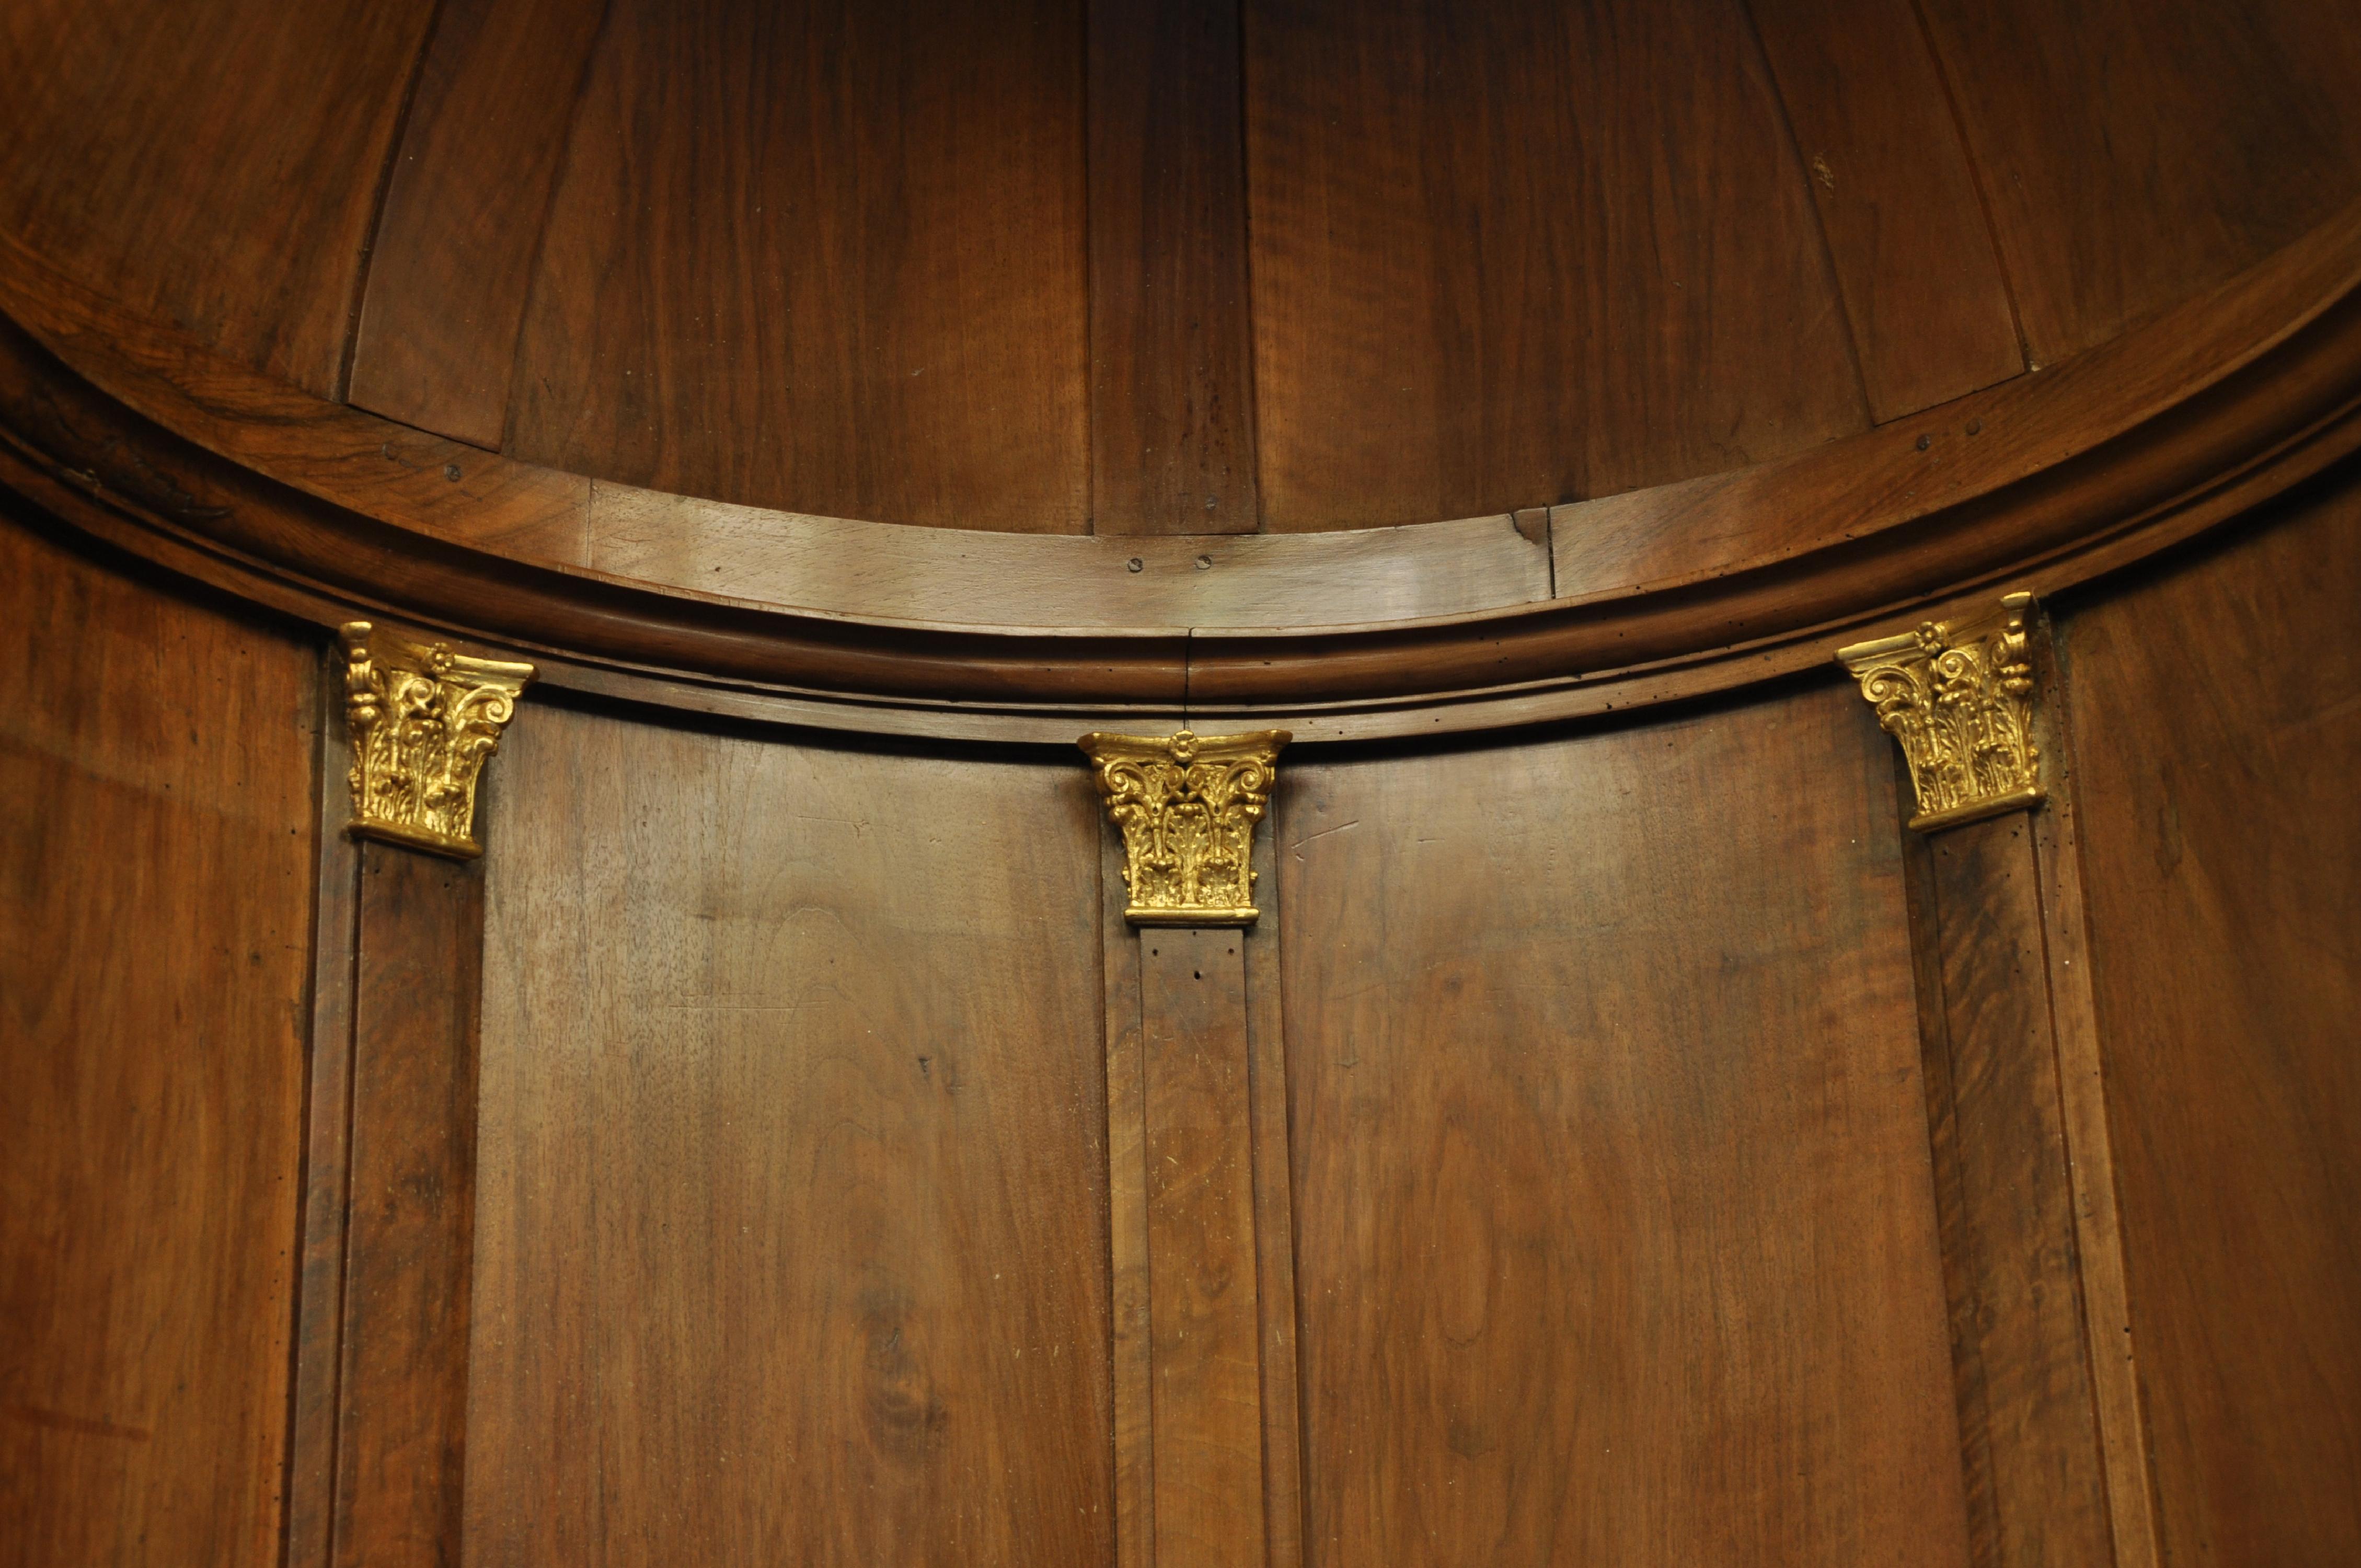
(136, 434)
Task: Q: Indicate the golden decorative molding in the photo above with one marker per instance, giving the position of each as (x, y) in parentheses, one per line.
(1187, 805)
(423, 720)
(1959, 696)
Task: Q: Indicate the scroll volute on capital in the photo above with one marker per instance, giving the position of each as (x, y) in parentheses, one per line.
(1187, 805)
(424, 721)
(1957, 697)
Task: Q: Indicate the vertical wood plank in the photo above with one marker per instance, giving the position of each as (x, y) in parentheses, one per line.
(217, 166)
(1508, 256)
(155, 864)
(464, 211)
(1274, 1204)
(319, 1303)
(827, 258)
(1171, 396)
(2216, 704)
(403, 1403)
(2036, 1470)
(1914, 257)
(1205, 1326)
(2135, 151)
(1126, 1140)
(2089, 1150)
(1616, 1237)
(792, 1188)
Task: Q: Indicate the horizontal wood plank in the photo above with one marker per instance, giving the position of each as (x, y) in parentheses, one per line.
(950, 574)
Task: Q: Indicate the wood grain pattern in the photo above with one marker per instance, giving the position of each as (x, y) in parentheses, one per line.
(1510, 255)
(2217, 731)
(327, 1164)
(1171, 375)
(828, 258)
(1922, 284)
(2036, 1468)
(402, 1400)
(214, 164)
(1204, 1318)
(414, 481)
(462, 218)
(2089, 1150)
(1615, 1225)
(2134, 152)
(155, 908)
(793, 1229)
(954, 574)
(1126, 1143)
(2041, 481)
(1274, 1220)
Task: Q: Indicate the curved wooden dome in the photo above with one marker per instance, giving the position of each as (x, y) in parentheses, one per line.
(1060, 268)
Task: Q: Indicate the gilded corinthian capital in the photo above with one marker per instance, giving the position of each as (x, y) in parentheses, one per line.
(1959, 698)
(1187, 805)
(423, 720)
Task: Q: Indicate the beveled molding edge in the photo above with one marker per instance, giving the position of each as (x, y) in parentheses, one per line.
(424, 721)
(1187, 805)
(1958, 697)
(133, 433)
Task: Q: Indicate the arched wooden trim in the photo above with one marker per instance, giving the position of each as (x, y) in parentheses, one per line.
(135, 432)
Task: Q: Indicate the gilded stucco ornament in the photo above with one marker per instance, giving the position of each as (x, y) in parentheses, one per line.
(1959, 697)
(1187, 805)
(422, 721)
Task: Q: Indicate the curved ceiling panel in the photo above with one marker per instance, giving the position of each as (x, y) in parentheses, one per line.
(1164, 265)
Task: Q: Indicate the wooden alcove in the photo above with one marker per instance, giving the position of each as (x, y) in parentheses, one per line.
(1620, 1139)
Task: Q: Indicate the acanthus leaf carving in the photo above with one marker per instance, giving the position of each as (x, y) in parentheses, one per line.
(423, 720)
(1959, 699)
(1187, 805)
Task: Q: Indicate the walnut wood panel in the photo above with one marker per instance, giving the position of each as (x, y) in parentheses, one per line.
(155, 911)
(2217, 733)
(1274, 1192)
(2134, 153)
(1615, 1228)
(217, 164)
(1172, 388)
(1510, 255)
(2028, 1411)
(153, 442)
(1205, 1315)
(828, 257)
(464, 207)
(1454, 568)
(1127, 1144)
(1929, 309)
(320, 1295)
(792, 1224)
(402, 1400)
